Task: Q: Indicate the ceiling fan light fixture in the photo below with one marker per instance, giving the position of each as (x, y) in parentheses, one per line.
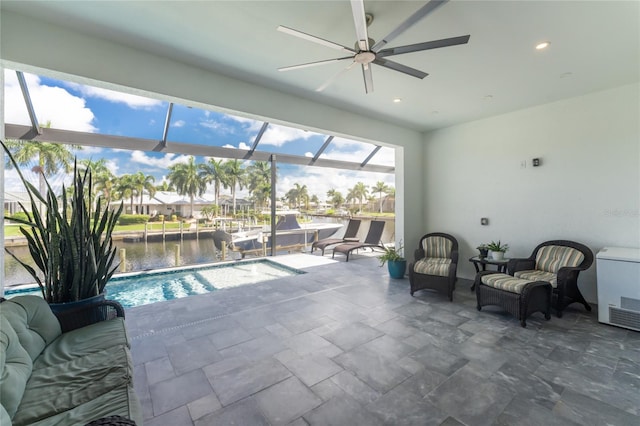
(543, 45)
(397, 100)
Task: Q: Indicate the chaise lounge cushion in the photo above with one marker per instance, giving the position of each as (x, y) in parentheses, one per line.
(433, 266)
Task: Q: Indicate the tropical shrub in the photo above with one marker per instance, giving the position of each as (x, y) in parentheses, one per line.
(131, 219)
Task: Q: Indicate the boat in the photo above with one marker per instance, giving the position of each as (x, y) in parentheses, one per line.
(290, 234)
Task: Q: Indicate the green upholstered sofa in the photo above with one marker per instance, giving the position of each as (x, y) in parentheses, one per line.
(54, 374)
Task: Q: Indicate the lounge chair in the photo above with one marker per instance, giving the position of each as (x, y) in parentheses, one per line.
(349, 236)
(372, 240)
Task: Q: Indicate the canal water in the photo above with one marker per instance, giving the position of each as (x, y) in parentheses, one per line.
(144, 256)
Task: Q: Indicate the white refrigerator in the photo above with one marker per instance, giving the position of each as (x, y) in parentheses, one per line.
(618, 273)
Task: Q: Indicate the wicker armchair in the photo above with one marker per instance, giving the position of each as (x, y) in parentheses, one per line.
(435, 265)
(558, 262)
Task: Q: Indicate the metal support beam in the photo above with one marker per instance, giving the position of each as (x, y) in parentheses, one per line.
(321, 150)
(374, 152)
(167, 121)
(35, 126)
(16, 131)
(257, 140)
(273, 204)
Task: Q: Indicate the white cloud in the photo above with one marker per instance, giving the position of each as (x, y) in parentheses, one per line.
(51, 104)
(241, 145)
(163, 162)
(219, 127)
(280, 135)
(179, 123)
(132, 101)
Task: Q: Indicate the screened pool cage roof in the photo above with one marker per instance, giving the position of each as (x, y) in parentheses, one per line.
(35, 132)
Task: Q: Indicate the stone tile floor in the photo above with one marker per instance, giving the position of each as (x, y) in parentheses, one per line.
(346, 345)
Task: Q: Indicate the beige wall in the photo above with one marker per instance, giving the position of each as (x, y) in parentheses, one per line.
(587, 188)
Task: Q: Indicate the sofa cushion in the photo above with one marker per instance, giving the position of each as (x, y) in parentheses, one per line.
(4, 416)
(552, 258)
(83, 341)
(437, 247)
(15, 367)
(433, 266)
(120, 401)
(33, 322)
(535, 275)
(505, 282)
(58, 388)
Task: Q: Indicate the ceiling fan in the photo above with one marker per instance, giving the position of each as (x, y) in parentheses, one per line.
(367, 51)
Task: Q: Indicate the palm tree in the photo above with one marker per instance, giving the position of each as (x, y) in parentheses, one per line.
(213, 172)
(142, 182)
(380, 187)
(102, 178)
(235, 176)
(335, 197)
(51, 157)
(359, 192)
(165, 186)
(126, 189)
(262, 193)
(258, 180)
(186, 179)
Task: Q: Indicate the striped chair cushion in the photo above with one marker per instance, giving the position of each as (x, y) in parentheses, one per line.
(505, 282)
(437, 247)
(535, 275)
(433, 266)
(552, 258)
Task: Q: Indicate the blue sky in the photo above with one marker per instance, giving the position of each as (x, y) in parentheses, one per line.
(73, 106)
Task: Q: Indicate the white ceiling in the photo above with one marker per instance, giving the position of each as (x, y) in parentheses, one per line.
(597, 42)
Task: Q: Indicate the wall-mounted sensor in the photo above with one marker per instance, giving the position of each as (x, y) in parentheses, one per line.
(536, 162)
(484, 221)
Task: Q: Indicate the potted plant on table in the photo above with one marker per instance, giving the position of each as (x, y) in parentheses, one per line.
(70, 241)
(497, 250)
(483, 250)
(396, 263)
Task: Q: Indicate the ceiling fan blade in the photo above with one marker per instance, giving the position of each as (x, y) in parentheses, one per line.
(313, 64)
(314, 39)
(435, 44)
(410, 21)
(368, 78)
(335, 77)
(360, 21)
(399, 67)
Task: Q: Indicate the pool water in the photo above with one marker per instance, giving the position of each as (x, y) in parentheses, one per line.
(151, 287)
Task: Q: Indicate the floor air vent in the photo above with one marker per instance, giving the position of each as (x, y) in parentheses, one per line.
(624, 318)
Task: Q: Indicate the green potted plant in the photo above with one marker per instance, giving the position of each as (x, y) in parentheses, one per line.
(497, 249)
(483, 250)
(70, 241)
(396, 263)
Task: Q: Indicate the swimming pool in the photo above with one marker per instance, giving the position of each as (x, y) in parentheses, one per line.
(143, 288)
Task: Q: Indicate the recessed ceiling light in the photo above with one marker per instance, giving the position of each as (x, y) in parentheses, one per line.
(488, 97)
(397, 100)
(543, 45)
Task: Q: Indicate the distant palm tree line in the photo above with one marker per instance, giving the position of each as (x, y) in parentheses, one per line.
(190, 179)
